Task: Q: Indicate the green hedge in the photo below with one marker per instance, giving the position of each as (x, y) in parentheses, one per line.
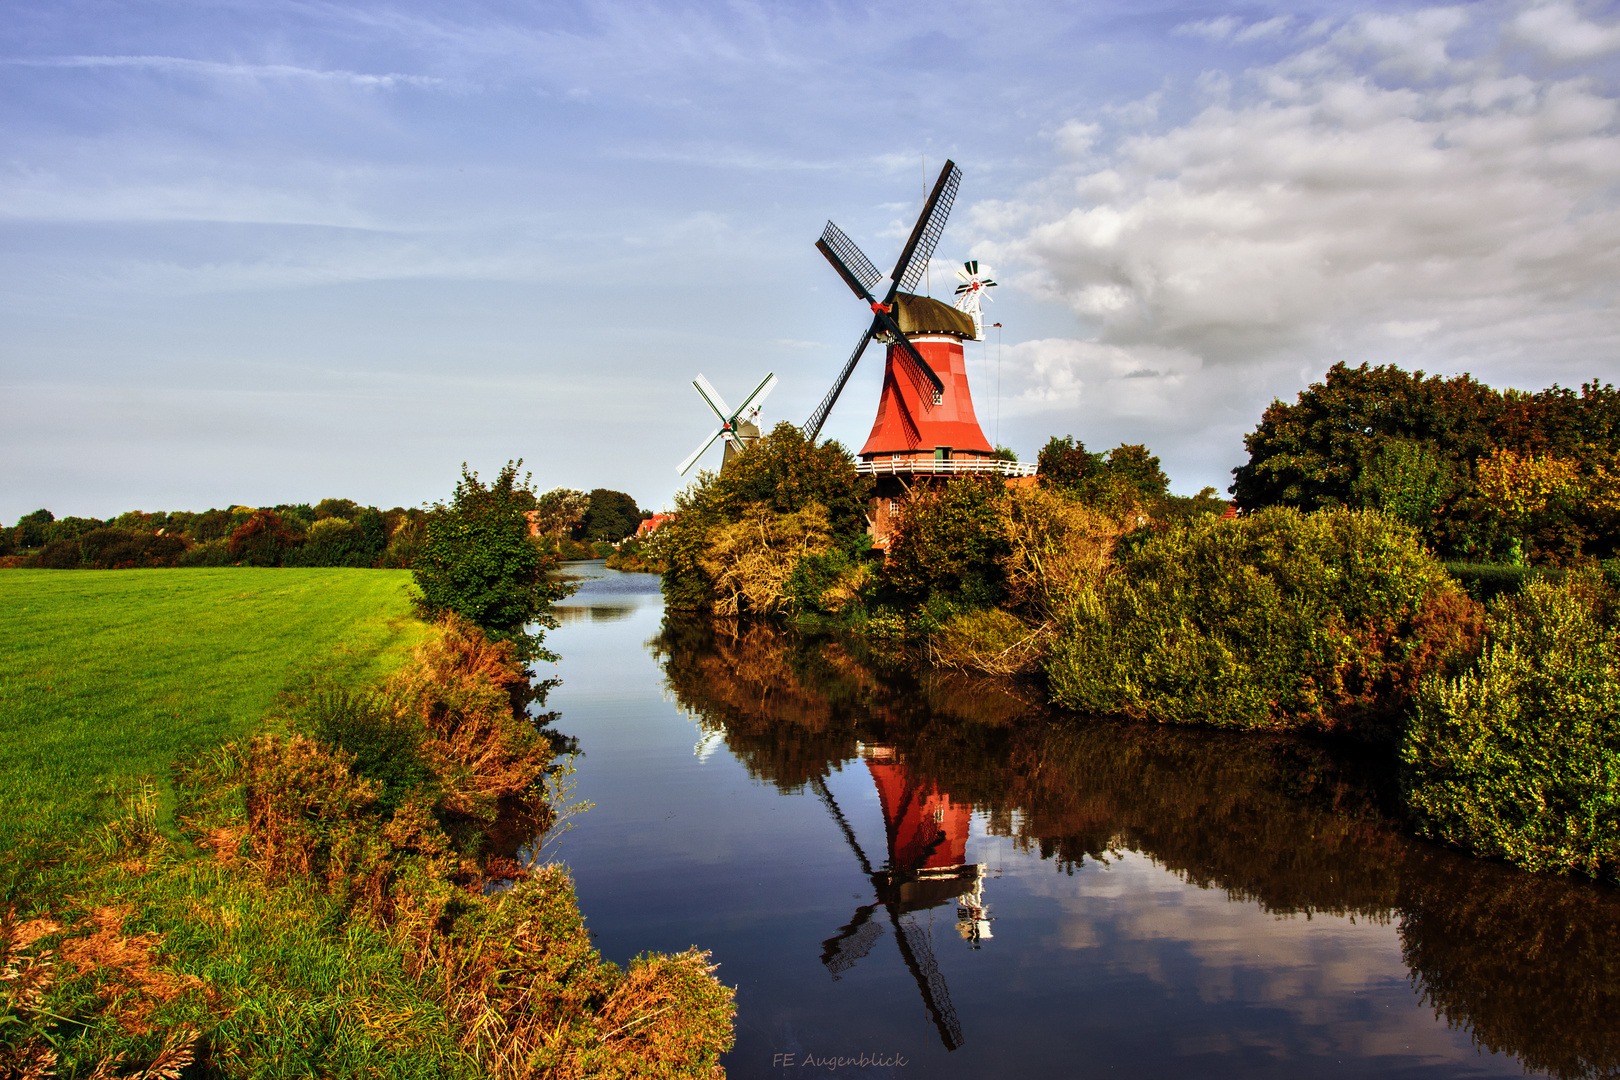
(1519, 757)
(1276, 619)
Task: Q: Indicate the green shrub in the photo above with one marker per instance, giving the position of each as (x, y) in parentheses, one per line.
(1519, 757)
(783, 474)
(1278, 619)
(213, 553)
(477, 561)
(950, 545)
(386, 747)
(60, 555)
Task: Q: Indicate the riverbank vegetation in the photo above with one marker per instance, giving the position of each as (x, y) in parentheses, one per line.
(1324, 607)
(354, 889)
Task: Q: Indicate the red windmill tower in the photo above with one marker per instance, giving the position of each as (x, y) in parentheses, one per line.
(925, 431)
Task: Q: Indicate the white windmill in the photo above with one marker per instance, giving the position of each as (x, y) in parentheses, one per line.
(739, 427)
(972, 292)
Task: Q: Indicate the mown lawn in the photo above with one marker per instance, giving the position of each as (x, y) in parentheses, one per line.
(109, 675)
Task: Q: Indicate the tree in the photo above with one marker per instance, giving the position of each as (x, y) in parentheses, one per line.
(30, 531)
(560, 511)
(950, 544)
(1117, 482)
(611, 516)
(1414, 446)
(477, 560)
(262, 540)
(783, 473)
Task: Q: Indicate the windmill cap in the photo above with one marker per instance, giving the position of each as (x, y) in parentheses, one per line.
(925, 315)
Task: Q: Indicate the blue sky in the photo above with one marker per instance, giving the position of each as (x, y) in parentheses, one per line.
(267, 252)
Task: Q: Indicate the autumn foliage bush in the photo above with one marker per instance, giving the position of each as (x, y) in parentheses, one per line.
(1279, 619)
(1519, 756)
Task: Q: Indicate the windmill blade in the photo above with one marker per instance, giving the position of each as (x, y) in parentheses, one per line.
(919, 958)
(918, 366)
(849, 260)
(925, 236)
(812, 426)
(852, 942)
(761, 392)
(831, 804)
(687, 464)
(907, 421)
(709, 394)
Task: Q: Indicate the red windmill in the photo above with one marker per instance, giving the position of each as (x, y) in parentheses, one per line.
(926, 834)
(925, 426)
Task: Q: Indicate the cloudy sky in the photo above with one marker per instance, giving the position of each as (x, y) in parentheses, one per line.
(287, 249)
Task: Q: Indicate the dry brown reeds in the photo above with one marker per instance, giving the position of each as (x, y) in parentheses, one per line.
(459, 688)
(990, 640)
(1059, 551)
(535, 1000)
(749, 562)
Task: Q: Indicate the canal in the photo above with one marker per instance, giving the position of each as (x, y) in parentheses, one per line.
(935, 876)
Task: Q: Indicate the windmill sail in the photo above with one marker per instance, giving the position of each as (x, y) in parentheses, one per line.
(862, 276)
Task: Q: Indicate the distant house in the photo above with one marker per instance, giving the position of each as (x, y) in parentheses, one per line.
(652, 524)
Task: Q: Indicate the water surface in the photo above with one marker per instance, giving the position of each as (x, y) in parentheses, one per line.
(941, 876)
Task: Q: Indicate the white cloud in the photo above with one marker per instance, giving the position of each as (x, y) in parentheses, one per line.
(1558, 31)
(1371, 197)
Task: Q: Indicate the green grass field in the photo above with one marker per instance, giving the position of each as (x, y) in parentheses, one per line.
(109, 675)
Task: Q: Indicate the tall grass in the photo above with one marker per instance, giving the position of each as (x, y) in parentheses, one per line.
(108, 677)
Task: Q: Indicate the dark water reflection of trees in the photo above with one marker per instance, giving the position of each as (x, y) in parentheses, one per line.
(1529, 964)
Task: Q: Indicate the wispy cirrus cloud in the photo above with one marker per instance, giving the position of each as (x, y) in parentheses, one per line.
(226, 70)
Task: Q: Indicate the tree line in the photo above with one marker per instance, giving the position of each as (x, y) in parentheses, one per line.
(332, 532)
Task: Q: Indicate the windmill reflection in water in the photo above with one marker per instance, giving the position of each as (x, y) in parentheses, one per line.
(927, 867)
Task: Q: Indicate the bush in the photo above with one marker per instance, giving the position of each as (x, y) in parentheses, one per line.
(1057, 551)
(213, 553)
(1279, 619)
(1519, 757)
(60, 555)
(385, 746)
(477, 561)
(950, 545)
(262, 540)
(118, 549)
(783, 474)
(750, 561)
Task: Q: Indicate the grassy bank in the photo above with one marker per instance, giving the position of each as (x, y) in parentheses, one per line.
(110, 676)
(316, 905)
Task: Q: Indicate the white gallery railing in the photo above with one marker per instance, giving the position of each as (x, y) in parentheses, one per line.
(950, 467)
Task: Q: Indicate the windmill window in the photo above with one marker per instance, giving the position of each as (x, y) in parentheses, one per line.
(939, 397)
